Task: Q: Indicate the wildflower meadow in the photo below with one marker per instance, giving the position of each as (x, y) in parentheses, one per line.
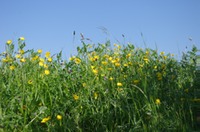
(104, 87)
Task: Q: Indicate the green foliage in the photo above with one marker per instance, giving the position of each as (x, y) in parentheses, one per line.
(101, 89)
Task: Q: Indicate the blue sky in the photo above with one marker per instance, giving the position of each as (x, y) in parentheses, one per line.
(49, 24)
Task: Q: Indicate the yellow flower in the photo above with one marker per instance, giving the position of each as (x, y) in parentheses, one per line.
(46, 72)
(158, 101)
(103, 75)
(136, 82)
(84, 84)
(76, 97)
(39, 51)
(104, 62)
(45, 66)
(47, 54)
(77, 60)
(92, 67)
(41, 63)
(4, 60)
(12, 67)
(9, 42)
(117, 64)
(162, 53)
(30, 82)
(44, 120)
(165, 57)
(95, 95)
(59, 117)
(95, 71)
(21, 51)
(125, 65)
(42, 59)
(40, 104)
(117, 59)
(146, 59)
(72, 58)
(49, 59)
(110, 58)
(128, 55)
(130, 63)
(96, 57)
(113, 61)
(109, 69)
(35, 58)
(23, 60)
(22, 38)
(110, 78)
(119, 84)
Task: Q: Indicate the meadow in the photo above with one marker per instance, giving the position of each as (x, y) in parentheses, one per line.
(104, 87)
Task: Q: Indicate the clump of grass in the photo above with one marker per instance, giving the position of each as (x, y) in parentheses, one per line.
(100, 89)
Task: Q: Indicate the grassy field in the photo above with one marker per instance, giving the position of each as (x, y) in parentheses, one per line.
(103, 88)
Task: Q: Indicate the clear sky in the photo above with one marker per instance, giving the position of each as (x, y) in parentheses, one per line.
(49, 24)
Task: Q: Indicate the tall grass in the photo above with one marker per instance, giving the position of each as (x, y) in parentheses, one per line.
(100, 89)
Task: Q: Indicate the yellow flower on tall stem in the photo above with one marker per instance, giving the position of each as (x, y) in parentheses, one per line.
(59, 117)
(34, 58)
(44, 120)
(76, 97)
(18, 56)
(110, 78)
(46, 72)
(45, 66)
(104, 62)
(23, 60)
(41, 59)
(95, 71)
(9, 42)
(136, 82)
(39, 51)
(49, 59)
(119, 84)
(41, 63)
(162, 53)
(128, 55)
(4, 60)
(146, 59)
(22, 38)
(158, 101)
(47, 54)
(77, 60)
(12, 67)
(21, 51)
(117, 64)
